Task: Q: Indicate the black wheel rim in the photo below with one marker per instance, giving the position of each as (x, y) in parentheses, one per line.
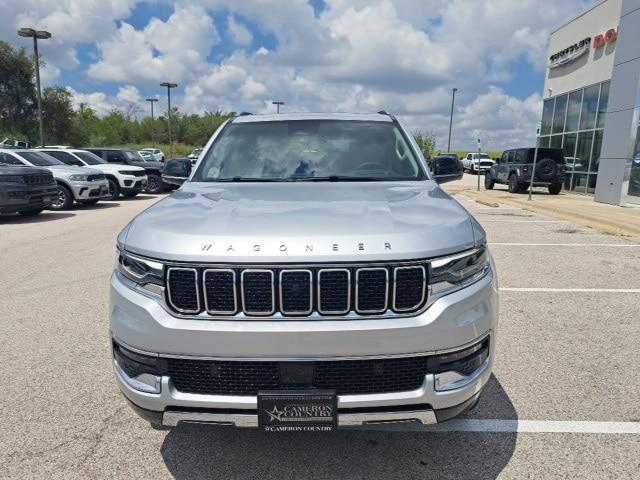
(153, 184)
(59, 199)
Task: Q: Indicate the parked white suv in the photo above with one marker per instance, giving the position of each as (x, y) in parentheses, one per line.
(81, 184)
(123, 180)
(157, 154)
(471, 163)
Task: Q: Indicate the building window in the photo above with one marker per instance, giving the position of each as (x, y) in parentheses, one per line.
(602, 107)
(589, 108)
(573, 111)
(559, 113)
(547, 116)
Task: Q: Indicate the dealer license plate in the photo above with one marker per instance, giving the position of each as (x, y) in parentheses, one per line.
(297, 411)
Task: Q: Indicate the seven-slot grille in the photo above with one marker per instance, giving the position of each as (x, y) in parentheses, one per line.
(297, 291)
(38, 179)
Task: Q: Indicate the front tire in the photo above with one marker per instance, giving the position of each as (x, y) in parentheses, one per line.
(63, 199)
(555, 188)
(154, 183)
(30, 213)
(489, 182)
(114, 189)
(514, 187)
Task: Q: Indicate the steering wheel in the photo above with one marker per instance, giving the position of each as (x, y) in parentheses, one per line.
(371, 166)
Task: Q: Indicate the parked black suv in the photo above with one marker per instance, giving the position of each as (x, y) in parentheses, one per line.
(133, 157)
(515, 166)
(26, 190)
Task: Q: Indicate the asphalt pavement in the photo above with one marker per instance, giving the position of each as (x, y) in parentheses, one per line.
(563, 401)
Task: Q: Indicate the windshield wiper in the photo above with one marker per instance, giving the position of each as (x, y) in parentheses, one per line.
(246, 179)
(336, 178)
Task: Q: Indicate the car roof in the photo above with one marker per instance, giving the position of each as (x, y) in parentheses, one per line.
(275, 117)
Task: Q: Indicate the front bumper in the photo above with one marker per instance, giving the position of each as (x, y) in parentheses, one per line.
(90, 190)
(130, 183)
(452, 322)
(20, 197)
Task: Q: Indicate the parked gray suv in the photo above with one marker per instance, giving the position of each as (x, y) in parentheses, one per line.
(309, 274)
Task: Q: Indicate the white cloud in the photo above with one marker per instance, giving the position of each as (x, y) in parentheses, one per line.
(355, 55)
(173, 50)
(239, 33)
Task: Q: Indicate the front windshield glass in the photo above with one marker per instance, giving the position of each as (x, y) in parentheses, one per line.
(39, 159)
(90, 158)
(133, 155)
(315, 150)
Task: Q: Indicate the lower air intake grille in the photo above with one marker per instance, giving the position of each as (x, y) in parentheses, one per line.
(347, 377)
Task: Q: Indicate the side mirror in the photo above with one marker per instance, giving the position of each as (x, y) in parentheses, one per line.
(177, 171)
(446, 169)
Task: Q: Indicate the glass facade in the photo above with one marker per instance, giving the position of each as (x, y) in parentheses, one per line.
(575, 122)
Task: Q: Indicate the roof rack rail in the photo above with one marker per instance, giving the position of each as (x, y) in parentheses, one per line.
(392, 117)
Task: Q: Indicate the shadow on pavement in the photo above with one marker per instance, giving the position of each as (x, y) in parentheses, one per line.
(101, 205)
(201, 451)
(146, 196)
(45, 216)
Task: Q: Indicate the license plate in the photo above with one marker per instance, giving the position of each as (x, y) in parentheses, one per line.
(297, 411)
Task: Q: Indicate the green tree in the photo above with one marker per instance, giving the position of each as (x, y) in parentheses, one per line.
(426, 142)
(17, 92)
(84, 127)
(57, 115)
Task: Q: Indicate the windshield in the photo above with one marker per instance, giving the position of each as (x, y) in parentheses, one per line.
(39, 159)
(315, 150)
(133, 155)
(89, 158)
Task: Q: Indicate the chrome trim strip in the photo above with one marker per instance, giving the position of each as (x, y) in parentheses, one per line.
(386, 290)
(305, 312)
(334, 312)
(395, 293)
(442, 261)
(479, 339)
(181, 310)
(245, 420)
(273, 293)
(235, 292)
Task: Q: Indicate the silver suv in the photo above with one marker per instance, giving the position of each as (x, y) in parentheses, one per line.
(309, 274)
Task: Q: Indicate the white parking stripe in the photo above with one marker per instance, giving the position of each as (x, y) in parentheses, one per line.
(608, 245)
(537, 426)
(572, 290)
(523, 221)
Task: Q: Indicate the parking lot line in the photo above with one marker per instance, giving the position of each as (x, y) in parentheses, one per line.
(571, 290)
(537, 426)
(607, 245)
(523, 221)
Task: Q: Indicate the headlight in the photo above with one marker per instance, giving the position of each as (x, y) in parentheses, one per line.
(78, 178)
(452, 273)
(145, 273)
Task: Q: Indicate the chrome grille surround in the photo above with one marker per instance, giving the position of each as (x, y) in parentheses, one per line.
(283, 273)
(244, 295)
(386, 289)
(169, 295)
(395, 293)
(206, 296)
(319, 282)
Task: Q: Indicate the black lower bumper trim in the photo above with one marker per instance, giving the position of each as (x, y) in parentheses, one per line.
(445, 414)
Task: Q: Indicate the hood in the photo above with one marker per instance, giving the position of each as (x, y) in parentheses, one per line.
(20, 170)
(302, 222)
(71, 170)
(111, 167)
(152, 165)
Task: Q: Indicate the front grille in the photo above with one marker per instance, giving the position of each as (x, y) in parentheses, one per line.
(346, 377)
(96, 177)
(291, 291)
(486, 163)
(182, 286)
(37, 179)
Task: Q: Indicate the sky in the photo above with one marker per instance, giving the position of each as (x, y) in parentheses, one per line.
(403, 56)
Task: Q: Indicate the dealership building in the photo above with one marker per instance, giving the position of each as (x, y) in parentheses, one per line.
(592, 101)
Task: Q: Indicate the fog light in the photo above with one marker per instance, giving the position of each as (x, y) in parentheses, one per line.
(140, 372)
(458, 369)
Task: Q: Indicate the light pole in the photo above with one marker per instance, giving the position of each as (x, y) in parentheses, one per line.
(453, 99)
(42, 35)
(169, 87)
(277, 104)
(153, 138)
